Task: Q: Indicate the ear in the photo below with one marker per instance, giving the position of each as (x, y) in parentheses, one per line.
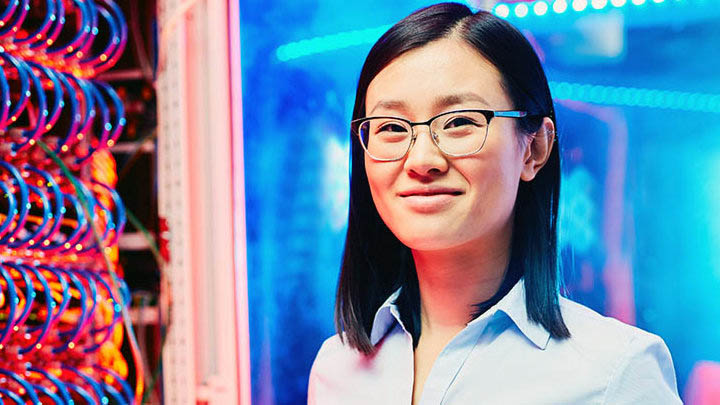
(537, 151)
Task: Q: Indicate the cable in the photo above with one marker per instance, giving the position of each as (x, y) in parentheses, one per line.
(134, 347)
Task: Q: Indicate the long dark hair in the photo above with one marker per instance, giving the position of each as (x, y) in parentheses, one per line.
(375, 263)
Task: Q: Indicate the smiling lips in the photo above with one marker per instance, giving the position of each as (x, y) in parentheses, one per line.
(429, 199)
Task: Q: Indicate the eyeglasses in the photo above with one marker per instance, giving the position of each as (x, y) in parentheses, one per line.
(456, 133)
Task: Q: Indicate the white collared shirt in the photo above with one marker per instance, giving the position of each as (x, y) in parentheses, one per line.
(502, 358)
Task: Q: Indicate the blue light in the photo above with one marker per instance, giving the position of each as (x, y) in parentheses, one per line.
(502, 10)
(560, 6)
(335, 179)
(636, 97)
(578, 211)
(521, 10)
(331, 42)
(540, 8)
(317, 45)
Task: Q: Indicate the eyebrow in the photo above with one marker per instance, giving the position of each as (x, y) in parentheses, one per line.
(440, 102)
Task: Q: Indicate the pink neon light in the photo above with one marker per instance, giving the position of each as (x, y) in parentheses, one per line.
(238, 168)
(702, 387)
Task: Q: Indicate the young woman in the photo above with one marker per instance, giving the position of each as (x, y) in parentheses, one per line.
(448, 292)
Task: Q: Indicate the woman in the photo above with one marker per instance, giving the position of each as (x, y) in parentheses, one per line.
(449, 285)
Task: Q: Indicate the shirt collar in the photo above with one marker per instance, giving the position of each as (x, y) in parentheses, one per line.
(512, 305)
(385, 318)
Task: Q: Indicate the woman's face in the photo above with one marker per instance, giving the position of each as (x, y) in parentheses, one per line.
(429, 200)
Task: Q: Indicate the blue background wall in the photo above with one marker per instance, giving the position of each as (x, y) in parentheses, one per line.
(638, 99)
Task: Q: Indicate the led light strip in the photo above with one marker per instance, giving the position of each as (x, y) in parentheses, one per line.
(326, 43)
(636, 97)
(610, 95)
(536, 15)
(541, 7)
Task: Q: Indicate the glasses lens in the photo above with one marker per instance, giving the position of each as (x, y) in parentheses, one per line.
(460, 133)
(385, 138)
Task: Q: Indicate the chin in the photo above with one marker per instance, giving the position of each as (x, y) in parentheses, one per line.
(428, 238)
(423, 232)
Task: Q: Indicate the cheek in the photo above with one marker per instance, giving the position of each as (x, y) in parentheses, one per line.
(503, 153)
(381, 178)
(495, 188)
(494, 179)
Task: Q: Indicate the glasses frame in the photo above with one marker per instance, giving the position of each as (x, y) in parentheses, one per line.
(489, 115)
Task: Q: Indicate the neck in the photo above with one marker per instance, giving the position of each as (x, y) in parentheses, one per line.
(452, 280)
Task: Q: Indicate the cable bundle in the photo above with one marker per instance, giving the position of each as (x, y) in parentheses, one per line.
(63, 311)
(67, 47)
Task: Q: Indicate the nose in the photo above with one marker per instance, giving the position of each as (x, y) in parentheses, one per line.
(424, 157)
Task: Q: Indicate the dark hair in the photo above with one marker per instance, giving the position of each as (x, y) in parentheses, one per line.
(375, 263)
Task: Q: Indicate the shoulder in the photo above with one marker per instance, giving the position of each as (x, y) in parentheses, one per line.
(340, 371)
(337, 372)
(590, 327)
(331, 346)
(319, 368)
(334, 357)
(638, 365)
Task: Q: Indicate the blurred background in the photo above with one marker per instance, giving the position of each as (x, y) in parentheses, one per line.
(196, 261)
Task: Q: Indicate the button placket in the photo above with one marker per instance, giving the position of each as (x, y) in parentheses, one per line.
(451, 360)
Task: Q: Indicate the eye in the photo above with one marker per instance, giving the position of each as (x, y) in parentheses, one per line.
(391, 127)
(459, 121)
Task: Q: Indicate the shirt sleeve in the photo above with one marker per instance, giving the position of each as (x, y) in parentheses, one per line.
(645, 375)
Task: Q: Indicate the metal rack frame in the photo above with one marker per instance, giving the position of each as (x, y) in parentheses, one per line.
(201, 198)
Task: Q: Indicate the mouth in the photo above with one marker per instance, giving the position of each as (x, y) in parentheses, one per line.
(430, 192)
(429, 200)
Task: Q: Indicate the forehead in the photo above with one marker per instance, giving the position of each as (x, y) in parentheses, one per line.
(422, 80)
